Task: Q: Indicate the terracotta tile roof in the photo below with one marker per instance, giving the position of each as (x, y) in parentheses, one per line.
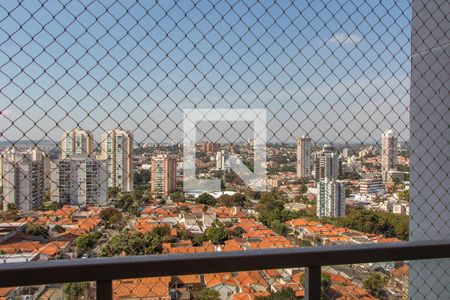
(272, 273)
(251, 278)
(241, 296)
(207, 247)
(297, 222)
(65, 211)
(346, 289)
(53, 248)
(298, 276)
(258, 233)
(156, 287)
(5, 291)
(187, 279)
(387, 240)
(20, 247)
(249, 295)
(341, 238)
(274, 241)
(232, 245)
(401, 271)
(89, 223)
(212, 280)
(71, 234)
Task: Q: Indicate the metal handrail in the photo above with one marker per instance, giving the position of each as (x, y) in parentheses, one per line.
(104, 270)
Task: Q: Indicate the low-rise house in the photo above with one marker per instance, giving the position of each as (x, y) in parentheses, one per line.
(224, 283)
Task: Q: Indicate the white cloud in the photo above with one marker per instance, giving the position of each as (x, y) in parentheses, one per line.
(344, 38)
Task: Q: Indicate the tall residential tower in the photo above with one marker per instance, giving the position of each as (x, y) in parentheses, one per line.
(331, 200)
(388, 152)
(116, 147)
(76, 142)
(304, 157)
(163, 175)
(23, 179)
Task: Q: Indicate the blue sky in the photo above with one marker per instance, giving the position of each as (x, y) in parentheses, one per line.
(337, 70)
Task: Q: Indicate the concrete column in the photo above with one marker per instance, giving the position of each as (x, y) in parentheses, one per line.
(430, 142)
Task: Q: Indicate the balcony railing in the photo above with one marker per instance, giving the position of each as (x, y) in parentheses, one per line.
(105, 270)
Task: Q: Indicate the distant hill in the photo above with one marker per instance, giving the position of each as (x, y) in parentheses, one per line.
(27, 143)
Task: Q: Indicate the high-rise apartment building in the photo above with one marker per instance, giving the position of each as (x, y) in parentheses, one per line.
(347, 152)
(304, 158)
(117, 148)
(326, 163)
(23, 179)
(220, 160)
(80, 180)
(388, 152)
(76, 142)
(163, 175)
(331, 200)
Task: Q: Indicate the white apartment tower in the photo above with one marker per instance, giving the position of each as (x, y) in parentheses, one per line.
(76, 142)
(117, 148)
(23, 179)
(163, 175)
(331, 200)
(388, 152)
(326, 163)
(80, 180)
(220, 160)
(304, 157)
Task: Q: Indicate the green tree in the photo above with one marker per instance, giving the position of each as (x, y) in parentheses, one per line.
(270, 207)
(133, 243)
(325, 283)
(197, 240)
(76, 290)
(111, 216)
(177, 197)
(11, 207)
(162, 231)
(278, 227)
(86, 242)
(36, 230)
(217, 233)
(304, 243)
(303, 189)
(208, 294)
(375, 284)
(113, 192)
(184, 234)
(238, 231)
(58, 229)
(388, 224)
(403, 195)
(53, 206)
(46, 197)
(239, 199)
(350, 176)
(206, 199)
(225, 200)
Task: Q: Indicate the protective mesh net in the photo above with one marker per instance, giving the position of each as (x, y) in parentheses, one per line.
(93, 136)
